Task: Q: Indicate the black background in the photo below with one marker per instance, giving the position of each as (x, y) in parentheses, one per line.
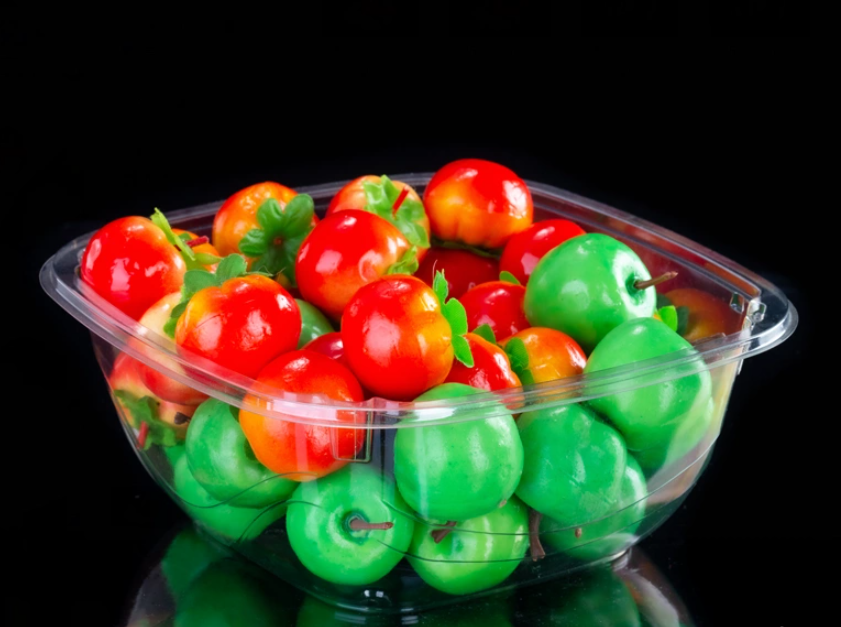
(717, 147)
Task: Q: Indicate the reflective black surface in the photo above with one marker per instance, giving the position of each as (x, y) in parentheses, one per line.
(717, 158)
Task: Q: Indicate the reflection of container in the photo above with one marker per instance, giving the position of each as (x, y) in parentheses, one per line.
(194, 578)
(762, 311)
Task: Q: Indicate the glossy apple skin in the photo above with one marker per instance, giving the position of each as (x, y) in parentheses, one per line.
(491, 369)
(708, 315)
(477, 202)
(396, 339)
(609, 535)
(462, 470)
(242, 325)
(158, 382)
(498, 304)
(238, 214)
(552, 355)
(131, 264)
(462, 269)
(318, 518)
(478, 554)
(330, 344)
(525, 249)
(125, 376)
(352, 196)
(217, 453)
(574, 464)
(227, 522)
(296, 450)
(660, 421)
(585, 288)
(345, 252)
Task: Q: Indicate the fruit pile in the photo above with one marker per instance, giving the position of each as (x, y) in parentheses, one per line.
(400, 297)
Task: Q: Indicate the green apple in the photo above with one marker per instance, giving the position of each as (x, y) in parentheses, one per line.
(661, 420)
(461, 470)
(477, 554)
(350, 527)
(587, 286)
(609, 535)
(313, 323)
(574, 464)
(227, 523)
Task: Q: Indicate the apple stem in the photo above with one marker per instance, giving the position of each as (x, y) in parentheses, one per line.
(537, 551)
(440, 534)
(642, 285)
(180, 418)
(357, 524)
(144, 432)
(198, 241)
(403, 193)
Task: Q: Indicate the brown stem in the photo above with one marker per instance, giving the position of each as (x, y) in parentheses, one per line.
(357, 524)
(440, 534)
(180, 418)
(537, 552)
(578, 532)
(668, 276)
(141, 437)
(204, 239)
(403, 193)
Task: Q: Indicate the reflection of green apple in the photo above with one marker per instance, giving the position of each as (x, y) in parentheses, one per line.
(186, 557)
(229, 594)
(462, 470)
(574, 464)
(315, 613)
(226, 522)
(224, 464)
(662, 420)
(349, 527)
(610, 535)
(598, 599)
(477, 554)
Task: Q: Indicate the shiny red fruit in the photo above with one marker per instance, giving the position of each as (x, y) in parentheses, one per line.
(462, 269)
(498, 304)
(131, 264)
(525, 249)
(491, 369)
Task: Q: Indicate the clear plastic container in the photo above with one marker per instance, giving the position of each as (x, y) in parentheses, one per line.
(491, 553)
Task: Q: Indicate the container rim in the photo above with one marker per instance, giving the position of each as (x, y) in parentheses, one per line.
(770, 319)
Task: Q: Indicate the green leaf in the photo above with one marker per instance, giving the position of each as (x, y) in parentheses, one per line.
(668, 315)
(146, 409)
(206, 259)
(440, 287)
(461, 348)
(663, 301)
(455, 313)
(185, 237)
(411, 210)
(509, 278)
(407, 264)
(255, 243)
(486, 332)
(376, 200)
(230, 267)
(270, 216)
(298, 216)
(414, 233)
(195, 280)
(288, 256)
(160, 221)
(682, 319)
(519, 358)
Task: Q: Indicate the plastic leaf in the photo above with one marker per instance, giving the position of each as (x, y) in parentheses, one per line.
(145, 409)
(255, 243)
(440, 287)
(485, 332)
(461, 348)
(195, 280)
(663, 301)
(230, 267)
(298, 216)
(407, 264)
(270, 216)
(160, 221)
(682, 319)
(519, 357)
(509, 278)
(414, 233)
